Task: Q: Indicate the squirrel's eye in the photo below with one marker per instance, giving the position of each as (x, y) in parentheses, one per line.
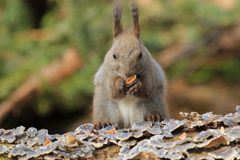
(114, 56)
(140, 55)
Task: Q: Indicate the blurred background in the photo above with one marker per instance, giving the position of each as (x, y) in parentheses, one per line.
(51, 49)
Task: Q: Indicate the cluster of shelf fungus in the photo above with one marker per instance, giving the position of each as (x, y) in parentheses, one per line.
(206, 136)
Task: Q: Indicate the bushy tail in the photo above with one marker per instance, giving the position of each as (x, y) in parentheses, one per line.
(134, 10)
(117, 15)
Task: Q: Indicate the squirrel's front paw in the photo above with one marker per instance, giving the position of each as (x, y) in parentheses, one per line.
(134, 87)
(121, 84)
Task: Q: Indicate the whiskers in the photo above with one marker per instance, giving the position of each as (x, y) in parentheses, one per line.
(119, 74)
(138, 73)
(141, 71)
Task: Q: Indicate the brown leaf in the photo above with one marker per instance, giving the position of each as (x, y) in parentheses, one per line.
(47, 142)
(183, 136)
(70, 139)
(96, 134)
(112, 131)
(90, 158)
(214, 142)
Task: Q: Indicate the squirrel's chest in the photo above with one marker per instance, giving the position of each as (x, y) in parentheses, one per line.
(130, 111)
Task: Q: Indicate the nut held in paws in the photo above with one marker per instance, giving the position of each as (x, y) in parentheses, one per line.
(130, 79)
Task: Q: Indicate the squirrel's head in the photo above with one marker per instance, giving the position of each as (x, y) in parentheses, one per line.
(128, 56)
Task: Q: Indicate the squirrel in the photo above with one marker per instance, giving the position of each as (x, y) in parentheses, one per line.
(114, 100)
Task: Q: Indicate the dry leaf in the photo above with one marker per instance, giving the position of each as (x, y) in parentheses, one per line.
(96, 134)
(47, 142)
(222, 130)
(90, 158)
(145, 125)
(183, 136)
(112, 131)
(70, 139)
(214, 142)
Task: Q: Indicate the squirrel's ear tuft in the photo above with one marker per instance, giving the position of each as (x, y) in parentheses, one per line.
(117, 15)
(134, 10)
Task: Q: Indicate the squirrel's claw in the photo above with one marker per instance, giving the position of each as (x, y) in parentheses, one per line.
(154, 118)
(134, 87)
(132, 90)
(132, 83)
(100, 125)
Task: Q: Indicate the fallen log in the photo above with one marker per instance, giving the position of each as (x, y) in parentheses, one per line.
(206, 136)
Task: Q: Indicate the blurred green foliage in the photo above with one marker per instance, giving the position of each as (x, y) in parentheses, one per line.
(87, 26)
(227, 70)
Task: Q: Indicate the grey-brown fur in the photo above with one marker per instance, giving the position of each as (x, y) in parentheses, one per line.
(117, 15)
(146, 95)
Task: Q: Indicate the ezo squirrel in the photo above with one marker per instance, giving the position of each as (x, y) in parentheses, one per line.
(120, 103)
